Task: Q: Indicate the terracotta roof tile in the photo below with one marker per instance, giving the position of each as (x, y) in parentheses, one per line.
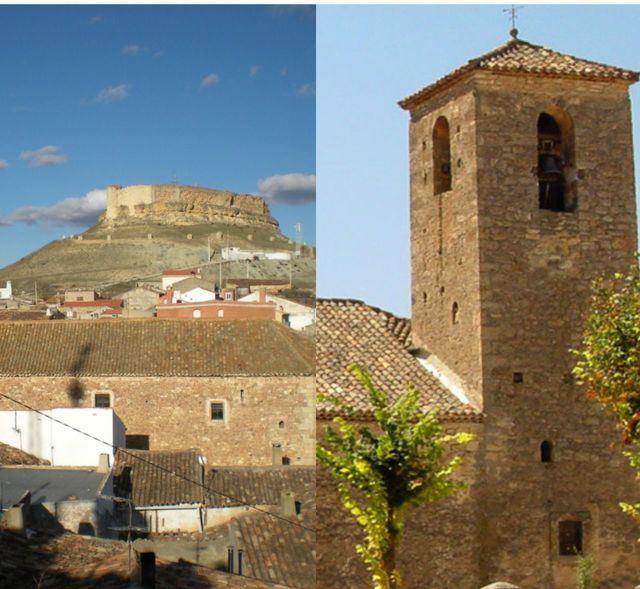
(136, 476)
(154, 347)
(97, 303)
(518, 56)
(351, 331)
(259, 485)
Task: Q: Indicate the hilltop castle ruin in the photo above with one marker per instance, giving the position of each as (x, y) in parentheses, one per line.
(171, 203)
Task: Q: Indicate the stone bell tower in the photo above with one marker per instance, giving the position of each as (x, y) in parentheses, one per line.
(522, 192)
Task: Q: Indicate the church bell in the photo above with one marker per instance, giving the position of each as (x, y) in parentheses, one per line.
(549, 165)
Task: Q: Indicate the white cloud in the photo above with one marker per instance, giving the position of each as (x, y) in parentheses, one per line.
(134, 50)
(210, 80)
(96, 19)
(288, 188)
(80, 211)
(306, 90)
(284, 71)
(113, 93)
(4, 164)
(49, 155)
(254, 70)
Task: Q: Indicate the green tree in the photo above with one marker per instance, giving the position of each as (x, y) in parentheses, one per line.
(383, 470)
(584, 572)
(608, 362)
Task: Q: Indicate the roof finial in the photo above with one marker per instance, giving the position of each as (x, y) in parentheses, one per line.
(513, 13)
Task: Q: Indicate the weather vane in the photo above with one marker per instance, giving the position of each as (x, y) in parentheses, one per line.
(513, 11)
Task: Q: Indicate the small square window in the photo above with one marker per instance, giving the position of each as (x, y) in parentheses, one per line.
(569, 538)
(217, 411)
(518, 377)
(102, 400)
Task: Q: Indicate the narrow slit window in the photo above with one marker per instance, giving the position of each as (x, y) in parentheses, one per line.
(441, 156)
(546, 452)
(455, 313)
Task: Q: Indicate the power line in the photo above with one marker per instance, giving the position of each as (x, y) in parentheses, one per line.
(159, 467)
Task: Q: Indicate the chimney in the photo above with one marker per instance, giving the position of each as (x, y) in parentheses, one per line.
(103, 463)
(276, 454)
(168, 297)
(262, 295)
(288, 503)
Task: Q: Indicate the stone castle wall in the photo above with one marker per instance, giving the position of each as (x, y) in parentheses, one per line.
(521, 277)
(147, 200)
(174, 412)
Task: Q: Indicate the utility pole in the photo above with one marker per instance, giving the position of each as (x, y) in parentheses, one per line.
(36, 289)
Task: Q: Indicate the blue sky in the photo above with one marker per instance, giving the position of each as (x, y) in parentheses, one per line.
(369, 57)
(218, 96)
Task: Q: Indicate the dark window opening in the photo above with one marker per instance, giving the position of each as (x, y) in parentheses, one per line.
(137, 442)
(455, 313)
(281, 424)
(441, 156)
(298, 505)
(569, 538)
(557, 176)
(546, 452)
(102, 400)
(424, 297)
(286, 461)
(518, 377)
(217, 411)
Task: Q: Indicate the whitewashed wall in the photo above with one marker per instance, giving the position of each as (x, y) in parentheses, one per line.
(49, 440)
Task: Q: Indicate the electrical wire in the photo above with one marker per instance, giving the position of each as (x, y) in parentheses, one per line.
(159, 467)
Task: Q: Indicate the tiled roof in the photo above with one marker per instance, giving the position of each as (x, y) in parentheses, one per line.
(192, 282)
(18, 315)
(11, 455)
(278, 552)
(351, 331)
(186, 272)
(249, 282)
(259, 485)
(154, 347)
(72, 561)
(136, 476)
(520, 57)
(97, 303)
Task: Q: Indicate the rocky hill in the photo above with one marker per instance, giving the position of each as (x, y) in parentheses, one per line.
(136, 241)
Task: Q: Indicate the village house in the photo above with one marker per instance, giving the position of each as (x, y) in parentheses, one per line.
(227, 308)
(236, 389)
(294, 315)
(171, 276)
(140, 301)
(6, 291)
(516, 206)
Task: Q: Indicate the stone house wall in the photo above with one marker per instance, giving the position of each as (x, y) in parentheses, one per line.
(174, 413)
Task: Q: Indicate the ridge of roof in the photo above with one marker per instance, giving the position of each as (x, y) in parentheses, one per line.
(520, 56)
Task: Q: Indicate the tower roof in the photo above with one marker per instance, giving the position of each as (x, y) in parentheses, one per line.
(521, 57)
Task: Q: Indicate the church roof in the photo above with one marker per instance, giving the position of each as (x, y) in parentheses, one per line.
(154, 347)
(351, 331)
(521, 57)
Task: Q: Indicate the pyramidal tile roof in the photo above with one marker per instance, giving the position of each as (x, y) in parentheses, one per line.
(518, 56)
(350, 331)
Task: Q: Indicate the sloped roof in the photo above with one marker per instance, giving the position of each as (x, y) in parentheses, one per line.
(154, 347)
(192, 282)
(521, 57)
(142, 476)
(350, 331)
(12, 455)
(111, 303)
(259, 485)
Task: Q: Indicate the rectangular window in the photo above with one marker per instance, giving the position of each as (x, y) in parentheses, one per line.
(102, 400)
(217, 411)
(570, 538)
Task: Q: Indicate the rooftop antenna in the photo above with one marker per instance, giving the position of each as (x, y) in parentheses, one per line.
(298, 228)
(513, 15)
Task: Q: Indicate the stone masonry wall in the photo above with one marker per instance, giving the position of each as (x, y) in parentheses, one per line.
(444, 237)
(175, 413)
(536, 267)
(521, 277)
(440, 546)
